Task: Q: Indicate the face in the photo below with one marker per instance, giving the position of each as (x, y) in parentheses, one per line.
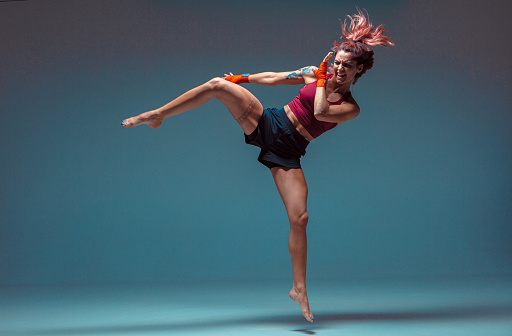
(345, 68)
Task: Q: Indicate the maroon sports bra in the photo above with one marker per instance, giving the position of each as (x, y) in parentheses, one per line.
(303, 108)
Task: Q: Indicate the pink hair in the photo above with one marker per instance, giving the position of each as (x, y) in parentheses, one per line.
(361, 30)
(358, 39)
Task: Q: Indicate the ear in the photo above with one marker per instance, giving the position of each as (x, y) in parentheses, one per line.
(360, 68)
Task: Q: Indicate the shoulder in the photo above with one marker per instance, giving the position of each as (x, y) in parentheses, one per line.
(348, 109)
(349, 100)
(350, 106)
(308, 73)
(308, 69)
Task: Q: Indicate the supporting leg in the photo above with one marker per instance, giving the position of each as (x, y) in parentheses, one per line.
(293, 189)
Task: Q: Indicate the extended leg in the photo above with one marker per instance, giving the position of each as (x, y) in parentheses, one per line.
(242, 104)
(293, 189)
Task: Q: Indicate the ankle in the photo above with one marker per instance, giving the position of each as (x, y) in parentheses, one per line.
(299, 288)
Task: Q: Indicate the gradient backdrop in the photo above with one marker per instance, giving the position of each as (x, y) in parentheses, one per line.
(419, 185)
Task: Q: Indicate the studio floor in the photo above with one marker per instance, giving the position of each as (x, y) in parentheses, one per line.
(449, 306)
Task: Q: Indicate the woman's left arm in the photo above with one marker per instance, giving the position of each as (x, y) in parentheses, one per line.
(338, 114)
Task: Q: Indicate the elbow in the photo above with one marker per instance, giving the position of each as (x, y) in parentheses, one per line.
(270, 80)
(353, 114)
(320, 113)
(273, 80)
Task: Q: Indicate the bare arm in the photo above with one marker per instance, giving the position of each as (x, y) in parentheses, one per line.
(338, 114)
(301, 76)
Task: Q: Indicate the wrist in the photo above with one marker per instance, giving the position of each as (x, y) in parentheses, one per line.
(321, 82)
(238, 79)
(244, 78)
(321, 74)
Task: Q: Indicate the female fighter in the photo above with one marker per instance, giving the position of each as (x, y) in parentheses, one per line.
(283, 134)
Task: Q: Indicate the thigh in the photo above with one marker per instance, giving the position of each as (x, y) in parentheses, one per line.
(293, 189)
(241, 103)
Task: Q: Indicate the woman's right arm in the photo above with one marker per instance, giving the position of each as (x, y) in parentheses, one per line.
(301, 76)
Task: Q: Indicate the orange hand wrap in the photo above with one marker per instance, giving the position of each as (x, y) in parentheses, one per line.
(321, 74)
(237, 79)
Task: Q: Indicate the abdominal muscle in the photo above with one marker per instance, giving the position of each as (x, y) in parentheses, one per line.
(297, 124)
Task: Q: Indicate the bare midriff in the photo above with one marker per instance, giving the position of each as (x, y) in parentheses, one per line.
(297, 124)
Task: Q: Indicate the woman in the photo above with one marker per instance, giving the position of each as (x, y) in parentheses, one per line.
(283, 135)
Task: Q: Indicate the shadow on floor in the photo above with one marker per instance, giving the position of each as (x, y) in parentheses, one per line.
(325, 320)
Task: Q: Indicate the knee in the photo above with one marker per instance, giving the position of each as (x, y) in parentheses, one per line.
(217, 83)
(299, 221)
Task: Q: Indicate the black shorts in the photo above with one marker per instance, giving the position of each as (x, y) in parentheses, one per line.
(281, 144)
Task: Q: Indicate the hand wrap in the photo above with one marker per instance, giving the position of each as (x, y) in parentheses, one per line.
(321, 74)
(237, 79)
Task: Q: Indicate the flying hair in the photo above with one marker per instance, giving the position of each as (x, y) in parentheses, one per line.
(358, 38)
(360, 30)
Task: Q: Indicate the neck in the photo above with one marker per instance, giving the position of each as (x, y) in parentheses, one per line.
(332, 86)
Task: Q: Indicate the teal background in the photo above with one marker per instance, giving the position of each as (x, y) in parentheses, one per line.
(418, 185)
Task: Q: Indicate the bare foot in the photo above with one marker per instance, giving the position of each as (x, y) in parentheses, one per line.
(301, 297)
(151, 118)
